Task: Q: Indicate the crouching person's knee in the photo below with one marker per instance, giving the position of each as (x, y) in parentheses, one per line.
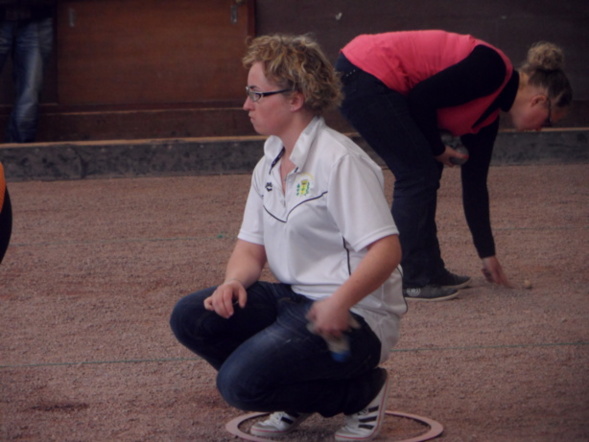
(239, 390)
(178, 321)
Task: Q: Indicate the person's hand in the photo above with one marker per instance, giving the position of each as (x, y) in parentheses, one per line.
(493, 271)
(226, 297)
(449, 153)
(329, 318)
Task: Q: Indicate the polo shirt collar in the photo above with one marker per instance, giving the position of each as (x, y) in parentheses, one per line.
(274, 148)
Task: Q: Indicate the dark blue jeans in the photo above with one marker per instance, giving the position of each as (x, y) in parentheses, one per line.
(29, 42)
(267, 360)
(381, 116)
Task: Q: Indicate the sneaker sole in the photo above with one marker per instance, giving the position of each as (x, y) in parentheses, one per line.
(439, 298)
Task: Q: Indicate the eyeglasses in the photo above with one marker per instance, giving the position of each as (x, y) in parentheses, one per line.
(548, 120)
(256, 96)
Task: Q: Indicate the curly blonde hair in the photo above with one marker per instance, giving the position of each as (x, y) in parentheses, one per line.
(299, 64)
(544, 68)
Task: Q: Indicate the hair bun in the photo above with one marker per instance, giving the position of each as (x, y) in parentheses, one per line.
(545, 56)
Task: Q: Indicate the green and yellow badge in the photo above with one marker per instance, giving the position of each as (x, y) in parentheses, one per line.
(304, 185)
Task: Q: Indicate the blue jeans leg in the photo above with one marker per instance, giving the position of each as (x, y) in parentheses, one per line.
(31, 46)
(273, 364)
(6, 31)
(382, 117)
(213, 337)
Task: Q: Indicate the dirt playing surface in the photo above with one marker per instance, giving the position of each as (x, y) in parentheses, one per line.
(95, 267)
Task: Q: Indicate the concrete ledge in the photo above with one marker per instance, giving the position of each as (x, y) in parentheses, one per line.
(550, 146)
(110, 159)
(194, 156)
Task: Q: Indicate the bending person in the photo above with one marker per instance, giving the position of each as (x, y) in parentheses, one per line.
(401, 89)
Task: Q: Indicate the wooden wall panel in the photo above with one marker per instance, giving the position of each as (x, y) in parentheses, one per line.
(171, 68)
(124, 52)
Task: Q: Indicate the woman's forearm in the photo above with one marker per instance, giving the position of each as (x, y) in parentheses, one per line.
(246, 263)
(382, 259)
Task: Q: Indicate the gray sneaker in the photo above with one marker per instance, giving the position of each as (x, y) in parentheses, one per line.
(450, 280)
(430, 293)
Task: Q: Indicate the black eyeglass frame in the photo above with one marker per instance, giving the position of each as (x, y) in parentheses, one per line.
(256, 96)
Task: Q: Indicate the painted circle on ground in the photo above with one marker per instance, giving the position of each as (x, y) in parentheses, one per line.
(435, 428)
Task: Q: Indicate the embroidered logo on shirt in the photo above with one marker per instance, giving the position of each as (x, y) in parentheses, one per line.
(304, 185)
(269, 186)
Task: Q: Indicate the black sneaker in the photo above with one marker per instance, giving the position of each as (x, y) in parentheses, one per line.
(430, 293)
(450, 280)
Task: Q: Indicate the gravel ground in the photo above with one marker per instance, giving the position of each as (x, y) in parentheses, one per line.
(95, 267)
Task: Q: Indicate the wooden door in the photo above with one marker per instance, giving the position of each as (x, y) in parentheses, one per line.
(135, 53)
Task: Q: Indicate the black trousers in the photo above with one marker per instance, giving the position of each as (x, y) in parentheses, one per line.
(5, 224)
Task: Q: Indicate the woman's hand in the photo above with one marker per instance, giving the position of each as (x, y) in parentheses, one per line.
(445, 157)
(226, 297)
(494, 272)
(243, 269)
(329, 318)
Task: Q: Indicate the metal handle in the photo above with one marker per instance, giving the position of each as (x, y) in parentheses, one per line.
(234, 7)
(71, 16)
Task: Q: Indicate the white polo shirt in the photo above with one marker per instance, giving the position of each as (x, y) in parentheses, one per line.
(316, 232)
